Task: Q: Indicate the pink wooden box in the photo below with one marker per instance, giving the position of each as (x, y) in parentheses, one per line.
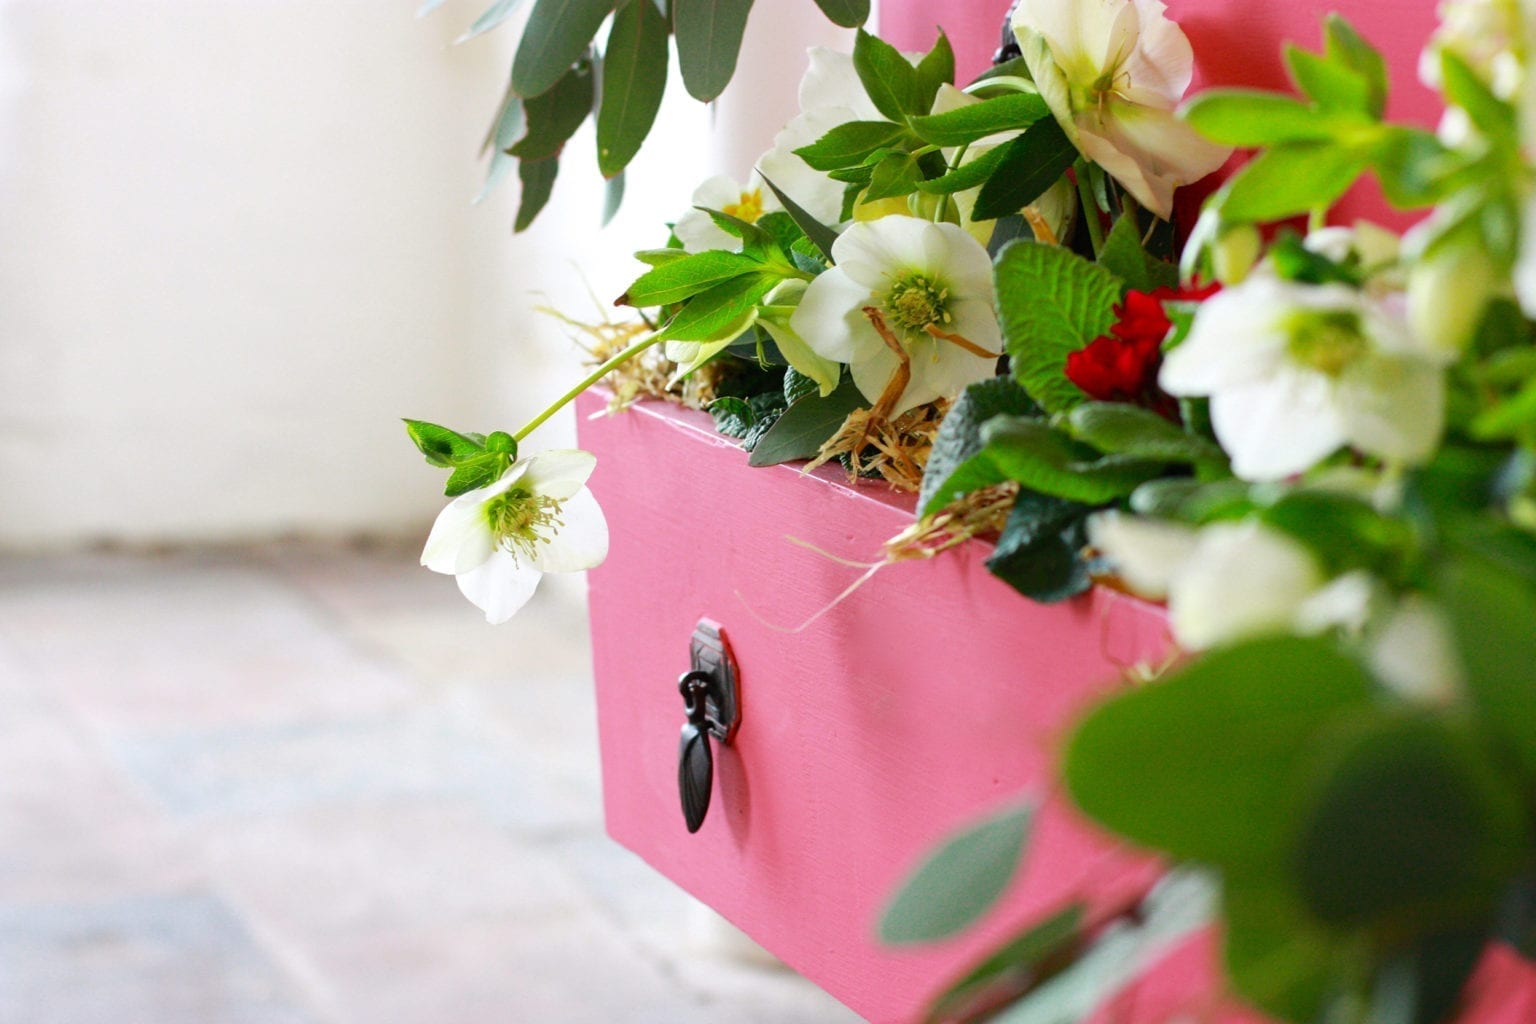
(931, 696)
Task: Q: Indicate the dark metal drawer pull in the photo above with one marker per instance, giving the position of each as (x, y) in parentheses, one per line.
(711, 700)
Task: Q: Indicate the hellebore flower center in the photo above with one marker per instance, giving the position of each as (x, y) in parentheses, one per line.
(916, 302)
(1328, 342)
(520, 520)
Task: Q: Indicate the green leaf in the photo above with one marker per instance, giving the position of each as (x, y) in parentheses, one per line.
(797, 385)
(1030, 164)
(847, 13)
(494, 15)
(937, 68)
(509, 125)
(554, 116)
(1014, 966)
(475, 472)
(896, 175)
(1039, 552)
(441, 446)
(613, 197)
(1051, 303)
(1408, 829)
(661, 257)
(538, 181)
(959, 882)
(1124, 257)
(733, 416)
(557, 33)
(1044, 460)
(819, 234)
(1278, 957)
(1346, 48)
(1332, 86)
(1465, 89)
(722, 312)
(1251, 118)
(1491, 614)
(634, 79)
(1343, 531)
(807, 425)
(1288, 180)
(970, 174)
(1116, 428)
(964, 125)
(708, 36)
(890, 81)
(684, 278)
(1203, 765)
(849, 143)
(959, 436)
(1426, 984)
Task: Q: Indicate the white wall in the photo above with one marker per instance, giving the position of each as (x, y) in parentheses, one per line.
(236, 246)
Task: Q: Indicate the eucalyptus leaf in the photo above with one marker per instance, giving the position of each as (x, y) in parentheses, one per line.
(613, 195)
(554, 116)
(1017, 965)
(634, 80)
(538, 181)
(493, 16)
(708, 34)
(806, 425)
(557, 34)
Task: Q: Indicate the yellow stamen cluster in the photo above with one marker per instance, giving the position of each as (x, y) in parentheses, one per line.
(521, 521)
(1326, 342)
(749, 208)
(915, 302)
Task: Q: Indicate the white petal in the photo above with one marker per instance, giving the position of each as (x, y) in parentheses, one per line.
(1146, 553)
(959, 261)
(500, 586)
(461, 537)
(811, 189)
(1525, 265)
(1162, 63)
(831, 320)
(875, 253)
(873, 372)
(1236, 339)
(717, 193)
(1345, 602)
(1242, 580)
(1149, 151)
(1415, 655)
(798, 354)
(559, 473)
(582, 541)
(698, 232)
(1278, 427)
(940, 369)
(1081, 34)
(831, 81)
(1393, 407)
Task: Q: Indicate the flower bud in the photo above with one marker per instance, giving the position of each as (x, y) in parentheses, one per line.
(1235, 252)
(1448, 290)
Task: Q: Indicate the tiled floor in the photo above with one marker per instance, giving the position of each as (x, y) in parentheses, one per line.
(307, 784)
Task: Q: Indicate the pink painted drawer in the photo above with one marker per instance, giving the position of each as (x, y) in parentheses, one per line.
(929, 697)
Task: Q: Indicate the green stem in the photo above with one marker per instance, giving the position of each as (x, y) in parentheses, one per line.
(613, 363)
(1091, 213)
(1318, 219)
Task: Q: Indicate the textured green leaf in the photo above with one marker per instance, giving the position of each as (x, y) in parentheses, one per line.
(557, 34)
(959, 437)
(889, 79)
(708, 41)
(848, 144)
(847, 13)
(1039, 552)
(797, 385)
(1051, 302)
(634, 80)
(1288, 180)
(1045, 460)
(493, 16)
(1011, 112)
(1031, 163)
(1252, 118)
(733, 416)
(1116, 428)
(1204, 764)
(1124, 256)
(538, 181)
(959, 882)
(684, 278)
(807, 425)
(554, 116)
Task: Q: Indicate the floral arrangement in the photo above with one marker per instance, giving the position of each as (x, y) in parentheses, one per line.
(1316, 444)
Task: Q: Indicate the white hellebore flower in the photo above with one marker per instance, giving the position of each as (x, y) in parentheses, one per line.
(932, 286)
(1228, 581)
(498, 540)
(1112, 72)
(698, 231)
(1295, 371)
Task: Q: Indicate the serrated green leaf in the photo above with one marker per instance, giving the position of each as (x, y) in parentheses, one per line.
(634, 80)
(1174, 765)
(797, 385)
(1253, 118)
(848, 144)
(1039, 552)
(720, 313)
(708, 34)
(1051, 302)
(964, 125)
(1045, 460)
(959, 882)
(680, 279)
(820, 235)
(807, 425)
(1116, 428)
(538, 181)
(554, 116)
(441, 446)
(896, 175)
(1287, 180)
(847, 13)
(1030, 164)
(959, 437)
(889, 79)
(493, 15)
(557, 33)
(1330, 85)
(733, 416)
